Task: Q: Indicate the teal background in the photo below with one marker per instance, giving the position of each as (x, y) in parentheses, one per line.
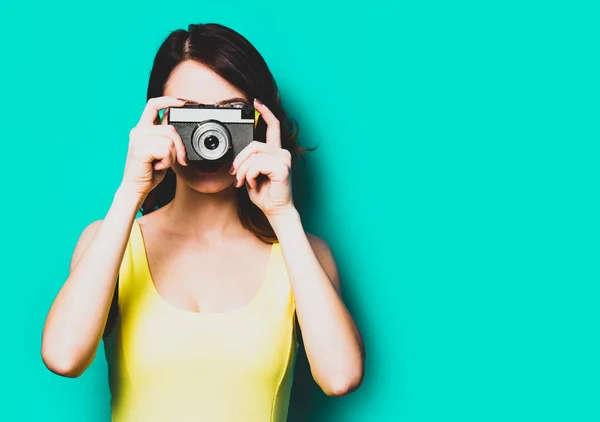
(456, 180)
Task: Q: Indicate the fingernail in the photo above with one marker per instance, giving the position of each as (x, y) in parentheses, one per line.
(231, 169)
(258, 101)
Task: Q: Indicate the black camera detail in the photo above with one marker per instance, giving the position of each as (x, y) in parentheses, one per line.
(213, 132)
(212, 142)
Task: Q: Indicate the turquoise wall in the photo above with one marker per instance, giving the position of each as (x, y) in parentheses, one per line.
(456, 180)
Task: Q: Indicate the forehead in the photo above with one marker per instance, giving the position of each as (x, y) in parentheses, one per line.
(193, 81)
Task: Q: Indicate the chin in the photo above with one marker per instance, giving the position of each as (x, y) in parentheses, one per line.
(205, 182)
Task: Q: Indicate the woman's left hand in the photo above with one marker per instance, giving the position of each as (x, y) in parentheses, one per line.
(273, 193)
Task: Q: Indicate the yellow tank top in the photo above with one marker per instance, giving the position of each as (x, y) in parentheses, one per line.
(168, 364)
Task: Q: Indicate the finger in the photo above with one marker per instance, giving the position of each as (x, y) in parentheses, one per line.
(155, 150)
(167, 160)
(153, 154)
(150, 143)
(261, 164)
(240, 176)
(165, 163)
(270, 167)
(273, 127)
(170, 132)
(252, 173)
(153, 105)
(253, 147)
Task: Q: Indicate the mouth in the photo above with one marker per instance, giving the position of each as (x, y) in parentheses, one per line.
(206, 166)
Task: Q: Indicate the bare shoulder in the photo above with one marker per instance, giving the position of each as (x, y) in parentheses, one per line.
(88, 233)
(326, 258)
(84, 240)
(317, 242)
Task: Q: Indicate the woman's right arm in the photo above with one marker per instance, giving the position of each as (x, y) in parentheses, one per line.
(78, 315)
(77, 318)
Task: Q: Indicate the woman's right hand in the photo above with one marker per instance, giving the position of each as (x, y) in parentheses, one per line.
(152, 149)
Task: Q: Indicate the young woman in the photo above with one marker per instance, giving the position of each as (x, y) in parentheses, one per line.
(198, 299)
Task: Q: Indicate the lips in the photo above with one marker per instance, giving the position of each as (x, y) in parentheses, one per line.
(206, 166)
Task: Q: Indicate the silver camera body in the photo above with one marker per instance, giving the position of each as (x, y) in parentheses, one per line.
(213, 132)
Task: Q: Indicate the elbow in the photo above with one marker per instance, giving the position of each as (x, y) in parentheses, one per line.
(343, 385)
(345, 379)
(61, 363)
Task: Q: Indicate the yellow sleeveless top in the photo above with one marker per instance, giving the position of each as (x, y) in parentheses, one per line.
(168, 364)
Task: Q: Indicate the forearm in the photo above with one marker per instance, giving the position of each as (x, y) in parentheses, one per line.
(78, 315)
(332, 341)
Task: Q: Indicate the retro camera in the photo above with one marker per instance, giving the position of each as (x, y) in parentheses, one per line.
(213, 132)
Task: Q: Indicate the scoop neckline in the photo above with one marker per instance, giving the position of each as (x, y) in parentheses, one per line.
(202, 315)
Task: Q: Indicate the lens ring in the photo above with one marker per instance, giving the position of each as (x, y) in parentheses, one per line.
(211, 130)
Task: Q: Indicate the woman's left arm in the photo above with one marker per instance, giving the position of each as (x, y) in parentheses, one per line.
(332, 341)
(333, 344)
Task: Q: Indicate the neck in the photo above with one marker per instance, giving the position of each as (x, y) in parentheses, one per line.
(205, 214)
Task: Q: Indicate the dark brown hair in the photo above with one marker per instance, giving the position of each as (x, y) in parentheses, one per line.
(231, 56)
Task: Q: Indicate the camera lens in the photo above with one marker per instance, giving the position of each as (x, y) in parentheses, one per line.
(211, 142)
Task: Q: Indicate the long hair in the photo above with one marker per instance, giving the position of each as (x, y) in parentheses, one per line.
(231, 56)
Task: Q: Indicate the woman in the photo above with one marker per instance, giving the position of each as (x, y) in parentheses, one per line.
(199, 298)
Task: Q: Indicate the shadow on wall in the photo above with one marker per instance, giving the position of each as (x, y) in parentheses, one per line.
(308, 402)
